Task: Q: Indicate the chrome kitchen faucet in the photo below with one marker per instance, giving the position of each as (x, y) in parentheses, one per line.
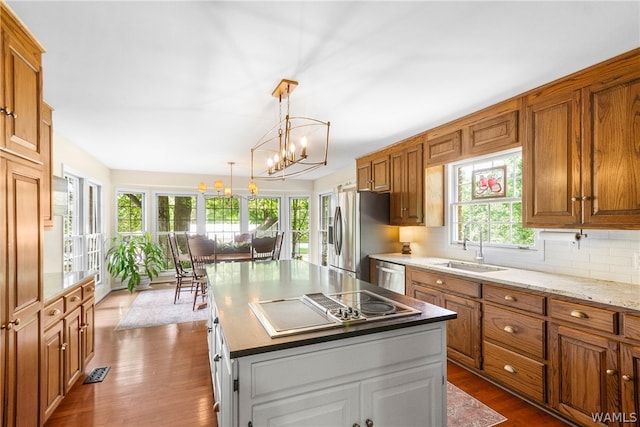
(479, 254)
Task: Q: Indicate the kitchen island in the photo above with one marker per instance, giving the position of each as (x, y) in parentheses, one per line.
(386, 372)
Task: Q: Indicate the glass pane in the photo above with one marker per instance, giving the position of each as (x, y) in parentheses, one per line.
(299, 214)
(176, 213)
(223, 218)
(264, 215)
(130, 212)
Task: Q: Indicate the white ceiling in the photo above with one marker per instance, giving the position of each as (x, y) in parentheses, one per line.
(185, 86)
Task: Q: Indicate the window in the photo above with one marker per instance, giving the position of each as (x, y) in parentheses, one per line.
(82, 227)
(493, 209)
(299, 217)
(130, 212)
(175, 214)
(264, 216)
(223, 217)
(325, 218)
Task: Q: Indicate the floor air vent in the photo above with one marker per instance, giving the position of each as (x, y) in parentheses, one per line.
(97, 375)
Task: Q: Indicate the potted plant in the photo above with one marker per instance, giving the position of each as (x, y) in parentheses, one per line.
(130, 258)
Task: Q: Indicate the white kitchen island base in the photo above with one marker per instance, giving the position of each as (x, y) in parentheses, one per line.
(393, 378)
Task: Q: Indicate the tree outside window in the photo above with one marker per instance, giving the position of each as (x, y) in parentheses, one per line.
(175, 214)
(130, 213)
(264, 216)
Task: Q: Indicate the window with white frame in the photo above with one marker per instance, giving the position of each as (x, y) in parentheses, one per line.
(82, 227)
(175, 213)
(487, 199)
(131, 211)
(264, 215)
(299, 226)
(324, 221)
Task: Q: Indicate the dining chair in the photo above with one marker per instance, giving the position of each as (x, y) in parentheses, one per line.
(262, 248)
(202, 251)
(184, 276)
(277, 246)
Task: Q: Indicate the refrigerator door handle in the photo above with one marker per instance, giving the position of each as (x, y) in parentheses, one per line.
(337, 230)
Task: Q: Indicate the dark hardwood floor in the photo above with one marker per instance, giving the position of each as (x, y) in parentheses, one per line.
(160, 377)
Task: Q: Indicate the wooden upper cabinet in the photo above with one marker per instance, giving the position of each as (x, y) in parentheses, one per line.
(493, 134)
(46, 141)
(373, 174)
(443, 148)
(407, 186)
(22, 95)
(581, 157)
(551, 164)
(611, 153)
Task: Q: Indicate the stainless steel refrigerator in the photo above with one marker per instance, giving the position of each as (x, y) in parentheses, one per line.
(360, 227)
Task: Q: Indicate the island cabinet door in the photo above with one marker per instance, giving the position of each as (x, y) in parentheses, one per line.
(333, 406)
(385, 399)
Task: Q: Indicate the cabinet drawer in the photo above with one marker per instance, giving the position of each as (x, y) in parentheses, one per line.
(514, 298)
(72, 300)
(514, 370)
(518, 331)
(447, 283)
(631, 326)
(589, 317)
(88, 290)
(53, 312)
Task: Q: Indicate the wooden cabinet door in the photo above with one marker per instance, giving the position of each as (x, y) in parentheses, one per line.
(53, 365)
(414, 190)
(22, 97)
(73, 351)
(611, 154)
(380, 174)
(21, 282)
(423, 293)
(46, 141)
(551, 161)
(88, 332)
(444, 148)
(363, 175)
(397, 213)
(583, 376)
(463, 334)
(630, 384)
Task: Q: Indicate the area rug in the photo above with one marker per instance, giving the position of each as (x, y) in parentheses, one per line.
(465, 411)
(156, 308)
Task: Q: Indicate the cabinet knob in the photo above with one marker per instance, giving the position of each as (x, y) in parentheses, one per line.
(509, 329)
(369, 423)
(75, 298)
(216, 407)
(10, 325)
(216, 358)
(440, 282)
(509, 298)
(63, 347)
(355, 425)
(574, 199)
(10, 113)
(611, 372)
(54, 312)
(626, 378)
(509, 369)
(579, 314)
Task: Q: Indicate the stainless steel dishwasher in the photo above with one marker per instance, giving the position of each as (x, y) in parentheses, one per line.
(390, 276)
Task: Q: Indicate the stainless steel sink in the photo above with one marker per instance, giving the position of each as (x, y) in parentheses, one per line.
(476, 268)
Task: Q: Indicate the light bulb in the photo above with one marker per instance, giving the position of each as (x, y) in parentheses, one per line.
(303, 142)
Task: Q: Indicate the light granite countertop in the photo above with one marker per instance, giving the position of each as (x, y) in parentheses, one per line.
(622, 295)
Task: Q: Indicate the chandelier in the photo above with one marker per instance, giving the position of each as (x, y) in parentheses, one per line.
(228, 191)
(294, 146)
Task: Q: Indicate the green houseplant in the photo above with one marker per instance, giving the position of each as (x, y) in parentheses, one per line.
(130, 258)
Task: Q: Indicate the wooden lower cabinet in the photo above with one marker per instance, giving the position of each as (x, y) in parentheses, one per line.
(630, 385)
(69, 343)
(464, 338)
(583, 380)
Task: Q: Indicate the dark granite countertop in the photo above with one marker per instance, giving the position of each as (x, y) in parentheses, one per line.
(57, 283)
(235, 285)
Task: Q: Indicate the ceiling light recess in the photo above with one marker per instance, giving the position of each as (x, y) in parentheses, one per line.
(294, 146)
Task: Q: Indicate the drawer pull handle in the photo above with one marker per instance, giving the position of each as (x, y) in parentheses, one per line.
(75, 298)
(54, 312)
(509, 369)
(216, 407)
(90, 289)
(216, 358)
(611, 372)
(626, 378)
(509, 298)
(579, 314)
(63, 347)
(439, 282)
(509, 329)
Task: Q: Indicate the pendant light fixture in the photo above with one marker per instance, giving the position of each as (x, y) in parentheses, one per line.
(228, 190)
(294, 146)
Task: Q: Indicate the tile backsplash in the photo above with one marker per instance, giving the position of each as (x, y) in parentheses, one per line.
(612, 255)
